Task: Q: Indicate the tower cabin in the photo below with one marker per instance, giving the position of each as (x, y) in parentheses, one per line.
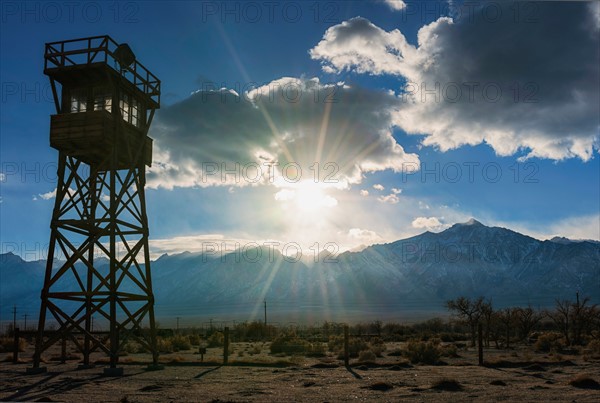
(106, 104)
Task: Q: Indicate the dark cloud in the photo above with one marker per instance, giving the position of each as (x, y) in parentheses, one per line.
(289, 120)
(528, 83)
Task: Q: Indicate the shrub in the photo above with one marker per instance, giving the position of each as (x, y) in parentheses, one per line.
(422, 352)
(335, 343)
(549, 342)
(164, 345)
(195, 339)
(355, 345)
(316, 350)
(377, 346)
(436, 341)
(289, 345)
(366, 356)
(447, 337)
(216, 340)
(449, 385)
(131, 347)
(395, 353)
(449, 350)
(584, 382)
(179, 342)
(7, 344)
(593, 348)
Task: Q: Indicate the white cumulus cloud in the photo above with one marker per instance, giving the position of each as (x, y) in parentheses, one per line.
(395, 4)
(427, 222)
(48, 195)
(391, 199)
(469, 81)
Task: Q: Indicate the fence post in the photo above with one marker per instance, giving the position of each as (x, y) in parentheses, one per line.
(480, 343)
(63, 350)
(225, 345)
(346, 354)
(16, 346)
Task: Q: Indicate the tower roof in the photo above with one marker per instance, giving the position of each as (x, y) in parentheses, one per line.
(96, 55)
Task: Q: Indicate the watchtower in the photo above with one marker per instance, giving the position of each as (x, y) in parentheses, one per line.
(105, 101)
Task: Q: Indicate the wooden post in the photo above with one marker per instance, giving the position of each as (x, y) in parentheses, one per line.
(16, 345)
(480, 343)
(225, 345)
(346, 354)
(63, 350)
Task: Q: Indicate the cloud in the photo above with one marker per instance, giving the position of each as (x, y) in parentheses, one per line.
(378, 186)
(2, 177)
(427, 222)
(215, 245)
(395, 5)
(575, 227)
(391, 199)
(274, 131)
(364, 236)
(517, 86)
(364, 192)
(586, 227)
(47, 195)
(396, 191)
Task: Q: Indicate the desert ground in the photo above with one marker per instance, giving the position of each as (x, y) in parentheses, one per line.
(255, 375)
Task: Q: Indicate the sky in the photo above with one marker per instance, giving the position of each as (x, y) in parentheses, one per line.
(328, 125)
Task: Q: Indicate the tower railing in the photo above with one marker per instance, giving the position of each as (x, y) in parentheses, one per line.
(100, 49)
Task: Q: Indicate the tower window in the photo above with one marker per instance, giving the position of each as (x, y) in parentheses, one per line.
(102, 100)
(130, 109)
(79, 100)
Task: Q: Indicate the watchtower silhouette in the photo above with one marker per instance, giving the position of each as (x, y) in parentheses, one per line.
(99, 223)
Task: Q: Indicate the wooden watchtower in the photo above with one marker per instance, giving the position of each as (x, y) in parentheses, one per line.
(98, 259)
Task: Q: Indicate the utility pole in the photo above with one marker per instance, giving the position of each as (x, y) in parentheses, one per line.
(265, 301)
(178, 324)
(14, 317)
(25, 324)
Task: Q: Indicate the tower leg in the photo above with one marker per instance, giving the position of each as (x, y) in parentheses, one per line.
(102, 241)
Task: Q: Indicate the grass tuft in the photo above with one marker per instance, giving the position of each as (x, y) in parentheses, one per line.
(584, 382)
(449, 385)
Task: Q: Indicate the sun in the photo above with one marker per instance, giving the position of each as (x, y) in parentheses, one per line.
(311, 197)
(306, 197)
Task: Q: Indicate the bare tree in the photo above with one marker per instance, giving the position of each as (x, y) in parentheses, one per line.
(574, 319)
(467, 310)
(506, 318)
(487, 312)
(561, 317)
(526, 319)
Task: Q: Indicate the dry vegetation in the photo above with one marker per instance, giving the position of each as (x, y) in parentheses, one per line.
(429, 361)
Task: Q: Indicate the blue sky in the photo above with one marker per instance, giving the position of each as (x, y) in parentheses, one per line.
(404, 160)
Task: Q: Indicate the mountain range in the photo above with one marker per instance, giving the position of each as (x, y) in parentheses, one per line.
(409, 278)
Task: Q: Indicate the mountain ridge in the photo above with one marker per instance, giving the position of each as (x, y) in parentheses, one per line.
(421, 272)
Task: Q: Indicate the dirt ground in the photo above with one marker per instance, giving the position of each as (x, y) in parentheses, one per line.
(515, 375)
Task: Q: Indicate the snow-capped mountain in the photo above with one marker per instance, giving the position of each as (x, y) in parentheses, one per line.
(417, 273)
